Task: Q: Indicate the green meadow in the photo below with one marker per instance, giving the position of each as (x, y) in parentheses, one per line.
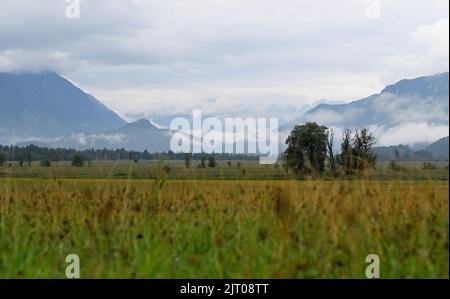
(162, 220)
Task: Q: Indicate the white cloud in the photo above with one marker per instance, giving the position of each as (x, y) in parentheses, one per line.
(426, 52)
(410, 133)
(435, 38)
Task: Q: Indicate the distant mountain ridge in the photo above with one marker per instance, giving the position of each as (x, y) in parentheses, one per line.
(438, 150)
(47, 110)
(45, 105)
(423, 99)
(426, 86)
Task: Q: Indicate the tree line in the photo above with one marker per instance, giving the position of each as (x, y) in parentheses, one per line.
(25, 155)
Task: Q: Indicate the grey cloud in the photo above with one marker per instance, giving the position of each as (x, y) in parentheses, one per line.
(255, 56)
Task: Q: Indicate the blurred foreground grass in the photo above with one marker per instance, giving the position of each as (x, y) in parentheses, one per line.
(126, 228)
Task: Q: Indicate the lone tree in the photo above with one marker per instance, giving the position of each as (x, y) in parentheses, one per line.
(202, 161)
(307, 147)
(2, 159)
(187, 160)
(330, 152)
(212, 161)
(77, 160)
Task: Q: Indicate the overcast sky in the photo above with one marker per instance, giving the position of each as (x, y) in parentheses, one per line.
(257, 57)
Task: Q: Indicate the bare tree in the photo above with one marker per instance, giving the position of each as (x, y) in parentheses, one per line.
(330, 151)
(345, 157)
(188, 160)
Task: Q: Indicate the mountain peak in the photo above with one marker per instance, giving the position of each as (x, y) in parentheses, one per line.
(142, 123)
(139, 125)
(435, 85)
(44, 104)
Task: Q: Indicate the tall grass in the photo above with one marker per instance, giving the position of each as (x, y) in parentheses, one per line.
(162, 228)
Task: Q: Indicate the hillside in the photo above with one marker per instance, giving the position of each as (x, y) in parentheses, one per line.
(45, 106)
(420, 100)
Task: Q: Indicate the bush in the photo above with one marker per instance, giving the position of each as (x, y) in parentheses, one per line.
(428, 166)
(46, 163)
(393, 165)
(212, 162)
(166, 169)
(77, 161)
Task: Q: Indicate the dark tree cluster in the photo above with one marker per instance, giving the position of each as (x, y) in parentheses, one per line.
(34, 153)
(307, 147)
(357, 151)
(311, 145)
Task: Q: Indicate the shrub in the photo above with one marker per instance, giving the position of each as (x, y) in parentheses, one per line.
(393, 165)
(166, 169)
(212, 162)
(77, 161)
(428, 166)
(46, 163)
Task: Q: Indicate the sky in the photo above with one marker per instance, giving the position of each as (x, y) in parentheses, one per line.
(242, 57)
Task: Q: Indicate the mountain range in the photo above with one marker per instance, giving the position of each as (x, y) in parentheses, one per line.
(48, 110)
(438, 150)
(423, 99)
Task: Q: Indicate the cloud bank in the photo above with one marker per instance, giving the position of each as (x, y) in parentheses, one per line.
(245, 58)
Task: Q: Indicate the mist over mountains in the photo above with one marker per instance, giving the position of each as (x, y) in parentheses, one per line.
(436, 151)
(138, 136)
(419, 105)
(423, 99)
(48, 110)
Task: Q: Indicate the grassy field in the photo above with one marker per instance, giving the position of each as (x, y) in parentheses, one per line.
(242, 170)
(213, 227)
